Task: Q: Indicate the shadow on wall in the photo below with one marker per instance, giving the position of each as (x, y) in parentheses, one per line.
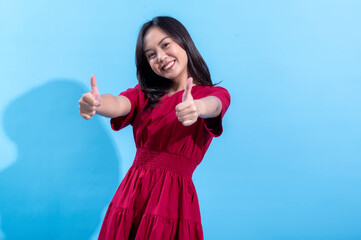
(66, 171)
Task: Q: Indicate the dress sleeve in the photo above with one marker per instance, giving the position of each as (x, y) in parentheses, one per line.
(121, 122)
(214, 125)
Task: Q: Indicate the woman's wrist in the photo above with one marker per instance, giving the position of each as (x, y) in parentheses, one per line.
(200, 107)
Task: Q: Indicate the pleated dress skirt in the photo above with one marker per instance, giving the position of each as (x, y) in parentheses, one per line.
(156, 200)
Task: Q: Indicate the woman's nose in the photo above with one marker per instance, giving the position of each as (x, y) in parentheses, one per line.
(161, 56)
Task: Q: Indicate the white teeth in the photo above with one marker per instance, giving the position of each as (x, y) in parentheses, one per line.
(169, 65)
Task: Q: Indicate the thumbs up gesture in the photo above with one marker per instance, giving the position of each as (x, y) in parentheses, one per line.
(89, 102)
(187, 111)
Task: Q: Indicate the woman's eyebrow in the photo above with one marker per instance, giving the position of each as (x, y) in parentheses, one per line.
(160, 42)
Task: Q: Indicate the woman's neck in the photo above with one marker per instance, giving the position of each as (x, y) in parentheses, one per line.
(178, 86)
(180, 82)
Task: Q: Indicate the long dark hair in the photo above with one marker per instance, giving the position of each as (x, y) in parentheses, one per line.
(156, 86)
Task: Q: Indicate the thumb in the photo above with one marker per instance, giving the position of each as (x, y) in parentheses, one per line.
(187, 92)
(95, 92)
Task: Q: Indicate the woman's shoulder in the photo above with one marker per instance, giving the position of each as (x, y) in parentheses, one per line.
(133, 93)
(133, 90)
(209, 90)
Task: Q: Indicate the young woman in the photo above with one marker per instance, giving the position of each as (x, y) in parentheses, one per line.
(175, 111)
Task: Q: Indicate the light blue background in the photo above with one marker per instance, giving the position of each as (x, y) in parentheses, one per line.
(288, 165)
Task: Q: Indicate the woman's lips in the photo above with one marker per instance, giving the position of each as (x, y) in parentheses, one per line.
(168, 66)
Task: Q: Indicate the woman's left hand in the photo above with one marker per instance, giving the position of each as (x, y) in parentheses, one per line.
(188, 110)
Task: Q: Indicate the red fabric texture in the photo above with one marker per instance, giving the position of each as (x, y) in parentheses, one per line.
(157, 198)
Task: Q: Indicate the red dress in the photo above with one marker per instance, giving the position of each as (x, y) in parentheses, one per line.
(157, 199)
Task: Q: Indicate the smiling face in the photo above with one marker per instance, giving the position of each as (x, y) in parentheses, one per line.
(166, 57)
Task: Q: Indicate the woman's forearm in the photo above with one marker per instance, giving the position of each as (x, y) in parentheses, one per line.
(209, 107)
(113, 106)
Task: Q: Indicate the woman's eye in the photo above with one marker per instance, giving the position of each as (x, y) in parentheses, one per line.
(151, 55)
(165, 45)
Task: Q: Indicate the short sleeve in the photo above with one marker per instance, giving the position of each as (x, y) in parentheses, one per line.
(121, 122)
(214, 125)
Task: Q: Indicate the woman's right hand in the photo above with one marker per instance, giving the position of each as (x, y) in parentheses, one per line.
(89, 102)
